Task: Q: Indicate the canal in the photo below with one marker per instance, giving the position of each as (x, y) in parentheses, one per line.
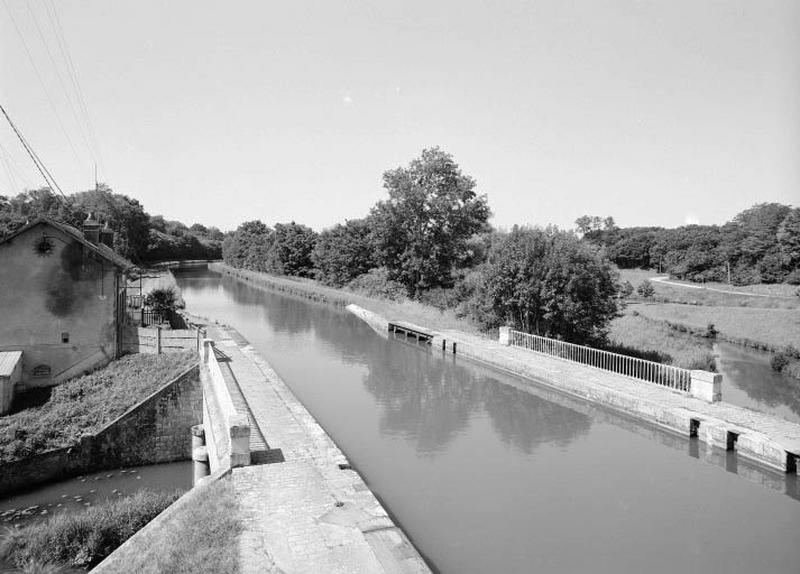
(485, 476)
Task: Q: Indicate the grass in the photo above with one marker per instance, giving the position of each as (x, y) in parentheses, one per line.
(635, 335)
(199, 537)
(764, 328)
(674, 294)
(85, 404)
(83, 538)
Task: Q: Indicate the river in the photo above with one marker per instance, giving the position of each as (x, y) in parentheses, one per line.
(487, 477)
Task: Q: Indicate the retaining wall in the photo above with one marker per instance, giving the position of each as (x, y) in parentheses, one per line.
(156, 430)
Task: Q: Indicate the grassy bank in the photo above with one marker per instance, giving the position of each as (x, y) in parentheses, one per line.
(635, 335)
(401, 310)
(768, 329)
(85, 404)
(84, 538)
(769, 296)
(199, 537)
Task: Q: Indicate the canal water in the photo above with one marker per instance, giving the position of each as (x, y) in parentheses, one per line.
(487, 477)
(749, 381)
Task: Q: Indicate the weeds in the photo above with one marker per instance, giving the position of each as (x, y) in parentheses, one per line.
(85, 404)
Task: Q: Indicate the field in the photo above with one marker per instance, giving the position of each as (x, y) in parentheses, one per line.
(85, 404)
(772, 327)
(670, 346)
(755, 296)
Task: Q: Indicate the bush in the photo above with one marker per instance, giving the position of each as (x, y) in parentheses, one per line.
(646, 289)
(626, 289)
(793, 278)
(162, 300)
(376, 283)
(783, 358)
(87, 537)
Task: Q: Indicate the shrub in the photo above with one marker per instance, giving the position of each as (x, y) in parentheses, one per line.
(626, 289)
(87, 537)
(793, 278)
(646, 289)
(376, 283)
(161, 300)
(783, 358)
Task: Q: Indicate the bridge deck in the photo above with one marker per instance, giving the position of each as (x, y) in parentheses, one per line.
(310, 512)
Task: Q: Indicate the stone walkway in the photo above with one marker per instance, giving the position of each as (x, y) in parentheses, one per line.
(759, 434)
(309, 512)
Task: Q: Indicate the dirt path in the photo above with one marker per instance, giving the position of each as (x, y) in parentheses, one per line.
(665, 281)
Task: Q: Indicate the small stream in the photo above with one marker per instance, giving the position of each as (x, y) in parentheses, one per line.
(749, 381)
(85, 491)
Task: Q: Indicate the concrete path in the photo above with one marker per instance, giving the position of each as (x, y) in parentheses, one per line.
(310, 512)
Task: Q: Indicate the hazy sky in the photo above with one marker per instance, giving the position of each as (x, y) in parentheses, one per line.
(655, 112)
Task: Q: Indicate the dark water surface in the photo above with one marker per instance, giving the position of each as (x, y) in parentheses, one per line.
(486, 477)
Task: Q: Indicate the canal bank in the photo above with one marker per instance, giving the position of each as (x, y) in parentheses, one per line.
(305, 509)
(759, 437)
(486, 475)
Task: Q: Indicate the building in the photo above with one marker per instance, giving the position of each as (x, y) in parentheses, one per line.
(62, 299)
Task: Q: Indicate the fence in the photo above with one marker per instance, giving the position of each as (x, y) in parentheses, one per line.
(665, 375)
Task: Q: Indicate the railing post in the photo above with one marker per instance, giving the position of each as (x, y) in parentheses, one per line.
(505, 336)
(158, 340)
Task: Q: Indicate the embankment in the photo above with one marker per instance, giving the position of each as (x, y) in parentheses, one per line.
(155, 430)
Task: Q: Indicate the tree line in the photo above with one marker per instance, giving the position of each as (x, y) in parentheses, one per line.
(759, 245)
(430, 240)
(137, 235)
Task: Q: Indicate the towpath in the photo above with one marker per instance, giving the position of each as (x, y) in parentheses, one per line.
(310, 512)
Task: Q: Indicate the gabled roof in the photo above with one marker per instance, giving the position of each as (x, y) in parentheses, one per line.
(100, 249)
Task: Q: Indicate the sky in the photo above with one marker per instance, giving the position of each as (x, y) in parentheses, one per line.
(654, 112)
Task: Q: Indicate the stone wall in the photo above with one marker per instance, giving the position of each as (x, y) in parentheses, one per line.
(154, 431)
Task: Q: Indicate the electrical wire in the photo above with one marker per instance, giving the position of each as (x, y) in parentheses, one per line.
(51, 182)
(61, 81)
(55, 24)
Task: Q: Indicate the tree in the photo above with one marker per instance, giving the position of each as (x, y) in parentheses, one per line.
(551, 284)
(294, 244)
(343, 252)
(124, 215)
(431, 212)
(788, 236)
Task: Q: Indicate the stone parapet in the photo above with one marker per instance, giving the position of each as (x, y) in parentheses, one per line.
(706, 386)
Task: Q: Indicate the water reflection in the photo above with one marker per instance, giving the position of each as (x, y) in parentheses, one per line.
(749, 381)
(488, 472)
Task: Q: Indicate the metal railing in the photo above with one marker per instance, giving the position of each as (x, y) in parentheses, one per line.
(665, 375)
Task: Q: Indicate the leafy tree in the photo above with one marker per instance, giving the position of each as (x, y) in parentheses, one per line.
(250, 247)
(552, 284)
(431, 212)
(293, 245)
(788, 237)
(343, 252)
(124, 215)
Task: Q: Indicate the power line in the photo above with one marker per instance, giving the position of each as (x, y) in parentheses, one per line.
(55, 23)
(35, 158)
(60, 80)
(8, 160)
(41, 81)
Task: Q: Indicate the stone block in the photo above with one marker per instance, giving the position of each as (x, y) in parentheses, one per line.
(505, 336)
(706, 386)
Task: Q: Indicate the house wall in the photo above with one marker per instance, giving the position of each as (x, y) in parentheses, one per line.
(70, 290)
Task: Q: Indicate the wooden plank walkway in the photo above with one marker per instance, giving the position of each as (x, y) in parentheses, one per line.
(421, 334)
